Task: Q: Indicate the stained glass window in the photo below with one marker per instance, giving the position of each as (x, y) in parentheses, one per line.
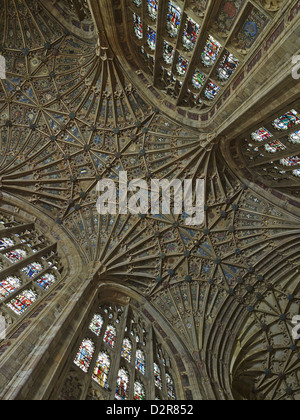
(6, 243)
(33, 269)
(296, 172)
(8, 286)
(173, 19)
(190, 35)
(16, 255)
(275, 146)
(139, 392)
(138, 2)
(168, 53)
(140, 362)
(138, 26)
(151, 38)
(261, 135)
(46, 281)
(110, 336)
(295, 137)
(157, 376)
(198, 79)
(290, 161)
(227, 67)
(152, 8)
(122, 385)
(126, 349)
(170, 387)
(85, 355)
(287, 121)
(212, 90)
(211, 52)
(101, 371)
(23, 301)
(182, 65)
(96, 324)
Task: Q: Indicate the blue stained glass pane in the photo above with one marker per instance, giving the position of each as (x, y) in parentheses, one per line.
(84, 356)
(212, 90)
(6, 243)
(173, 19)
(23, 301)
(33, 269)
(261, 135)
(182, 65)
(8, 286)
(46, 281)
(152, 8)
(157, 376)
(151, 38)
(140, 362)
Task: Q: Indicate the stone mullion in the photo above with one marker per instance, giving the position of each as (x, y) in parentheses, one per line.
(274, 157)
(98, 348)
(115, 362)
(149, 366)
(200, 44)
(16, 229)
(132, 366)
(149, 377)
(31, 258)
(211, 74)
(161, 22)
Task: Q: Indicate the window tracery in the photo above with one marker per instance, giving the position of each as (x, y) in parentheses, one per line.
(123, 371)
(272, 151)
(182, 28)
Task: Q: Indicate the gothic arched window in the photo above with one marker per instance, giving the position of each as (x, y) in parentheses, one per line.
(157, 376)
(122, 389)
(152, 8)
(23, 301)
(84, 355)
(139, 392)
(127, 349)
(170, 387)
(8, 286)
(173, 19)
(287, 121)
(96, 324)
(110, 336)
(33, 269)
(46, 281)
(6, 243)
(123, 370)
(102, 370)
(140, 361)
